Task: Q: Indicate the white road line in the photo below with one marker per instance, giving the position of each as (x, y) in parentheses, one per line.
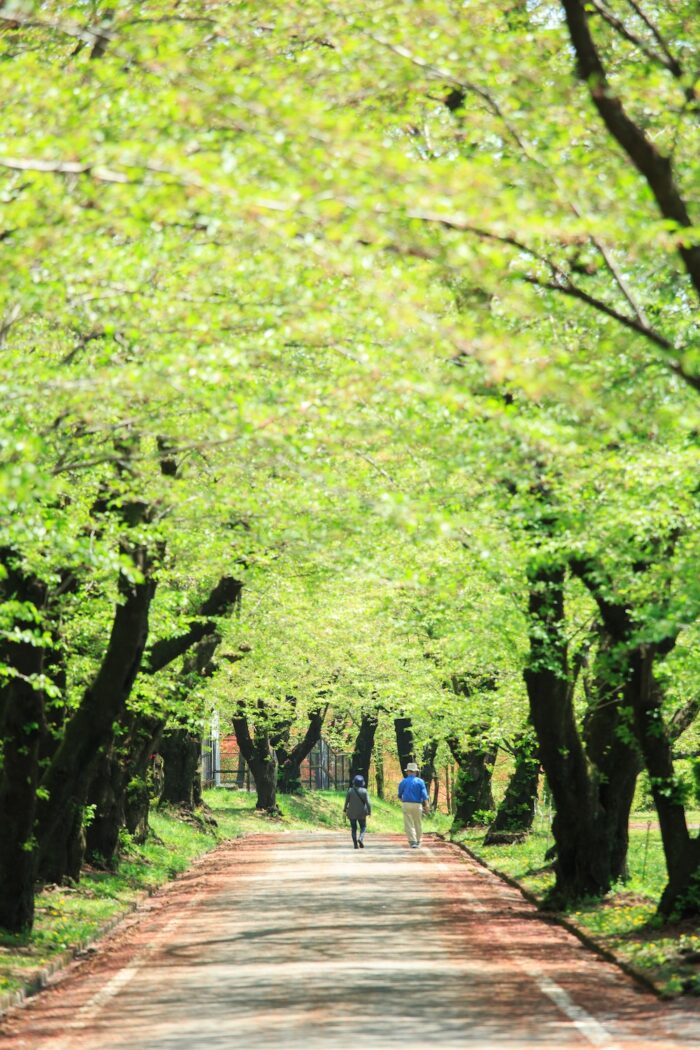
(89, 1010)
(588, 1026)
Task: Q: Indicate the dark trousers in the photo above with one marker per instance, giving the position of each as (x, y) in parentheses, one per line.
(353, 828)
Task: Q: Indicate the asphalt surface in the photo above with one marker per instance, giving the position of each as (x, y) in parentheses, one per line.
(297, 941)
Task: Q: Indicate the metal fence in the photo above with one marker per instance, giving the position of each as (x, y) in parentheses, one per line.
(224, 766)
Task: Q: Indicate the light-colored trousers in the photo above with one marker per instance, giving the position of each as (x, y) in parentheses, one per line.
(412, 821)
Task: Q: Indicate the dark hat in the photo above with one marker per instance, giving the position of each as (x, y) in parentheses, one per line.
(358, 781)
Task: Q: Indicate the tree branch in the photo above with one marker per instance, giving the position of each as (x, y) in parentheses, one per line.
(683, 718)
(562, 283)
(225, 596)
(666, 59)
(655, 168)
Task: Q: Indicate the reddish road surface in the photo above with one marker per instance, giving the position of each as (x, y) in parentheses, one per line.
(296, 941)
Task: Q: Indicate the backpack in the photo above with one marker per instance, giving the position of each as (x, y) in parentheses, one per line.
(362, 800)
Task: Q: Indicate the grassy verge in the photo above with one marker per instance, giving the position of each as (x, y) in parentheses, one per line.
(67, 917)
(624, 922)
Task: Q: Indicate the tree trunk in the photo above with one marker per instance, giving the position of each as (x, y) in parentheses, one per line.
(404, 742)
(516, 812)
(472, 790)
(91, 729)
(681, 896)
(106, 795)
(379, 772)
(642, 694)
(63, 850)
(364, 745)
(289, 760)
(427, 769)
(260, 755)
(612, 752)
(143, 741)
(240, 772)
(264, 771)
(180, 751)
(22, 727)
(583, 864)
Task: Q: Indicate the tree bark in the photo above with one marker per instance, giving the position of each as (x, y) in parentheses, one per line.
(643, 694)
(290, 759)
(516, 812)
(105, 796)
(22, 728)
(364, 745)
(379, 772)
(180, 749)
(611, 747)
(120, 790)
(472, 790)
(144, 739)
(583, 864)
(404, 742)
(427, 769)
(260, 755)
(681, 896)
(67, 779)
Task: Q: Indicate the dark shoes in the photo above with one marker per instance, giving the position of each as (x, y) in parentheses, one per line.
(361, 844)
(356, 845)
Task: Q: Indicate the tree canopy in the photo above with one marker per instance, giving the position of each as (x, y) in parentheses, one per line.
(387, 313)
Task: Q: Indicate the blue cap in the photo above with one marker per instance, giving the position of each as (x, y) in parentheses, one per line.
(358, 781)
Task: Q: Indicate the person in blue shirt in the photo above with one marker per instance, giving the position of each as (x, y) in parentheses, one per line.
(414, 797)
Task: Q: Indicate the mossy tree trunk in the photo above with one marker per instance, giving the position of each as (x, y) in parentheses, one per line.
(473, 797)
(90, 730)
(516, 812)
(21, 728)
(180, 749)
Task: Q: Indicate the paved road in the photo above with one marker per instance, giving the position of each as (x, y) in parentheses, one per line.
(296, 941)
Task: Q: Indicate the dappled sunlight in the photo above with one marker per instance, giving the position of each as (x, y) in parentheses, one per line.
(297, 940)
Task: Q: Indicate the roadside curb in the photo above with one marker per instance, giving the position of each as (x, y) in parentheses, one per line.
(582, 935)
(41, 978)
(39, 981)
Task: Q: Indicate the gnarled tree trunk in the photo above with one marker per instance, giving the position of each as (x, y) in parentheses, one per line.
(106, 795)
(516, 811)
(290, 759)
(260, 755)
(21, 729)
(180, 750)
(404, 742)
(364, 745)
(473, 796)
(583, 865)
(90, 730)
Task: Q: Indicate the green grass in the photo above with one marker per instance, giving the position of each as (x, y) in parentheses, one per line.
(625, 921)
(315, 809)
(68, 916)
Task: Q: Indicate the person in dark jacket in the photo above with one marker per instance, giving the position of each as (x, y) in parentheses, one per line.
(357, 808)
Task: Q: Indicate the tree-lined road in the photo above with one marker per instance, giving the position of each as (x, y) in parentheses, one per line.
(297, 941)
